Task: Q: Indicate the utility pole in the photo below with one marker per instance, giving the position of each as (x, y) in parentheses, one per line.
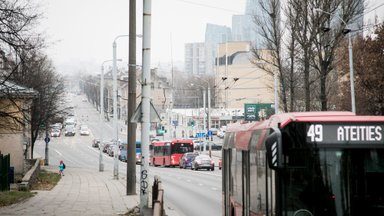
(145, 105)
(131, 135)
(115, 130)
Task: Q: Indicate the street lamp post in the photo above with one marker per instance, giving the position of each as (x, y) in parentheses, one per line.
(208, 113)
(101, 165)
(114, 95)
(353, 103)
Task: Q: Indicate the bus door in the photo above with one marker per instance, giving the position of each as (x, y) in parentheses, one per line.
(246, 183)
(227, 170)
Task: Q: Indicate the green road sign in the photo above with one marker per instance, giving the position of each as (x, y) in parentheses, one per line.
(255, 112)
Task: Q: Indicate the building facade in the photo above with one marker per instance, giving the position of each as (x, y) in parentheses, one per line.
(15, 136)
(239, 81)
(194, 58)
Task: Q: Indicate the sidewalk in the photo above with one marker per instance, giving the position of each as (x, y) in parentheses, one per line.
(79, 192)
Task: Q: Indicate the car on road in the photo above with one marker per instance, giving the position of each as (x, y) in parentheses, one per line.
(112, 149)
(55, 132)
(95, 143)
(84, 130)
(105, 146)
(203, 162)
(70, 130)
(123, 155)
(57, 126)
(221, 134)
(70, 121)
(186, 159)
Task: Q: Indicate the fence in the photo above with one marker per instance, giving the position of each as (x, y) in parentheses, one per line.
(157, 198)
(4, 172)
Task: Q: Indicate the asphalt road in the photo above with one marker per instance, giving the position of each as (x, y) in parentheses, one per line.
(188, 192)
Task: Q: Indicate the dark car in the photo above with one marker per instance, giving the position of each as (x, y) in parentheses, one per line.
(106, 147)
(95, 143)
(186, 159)
(203, 162)
(214, 146)
(123, 155)
(111, 150)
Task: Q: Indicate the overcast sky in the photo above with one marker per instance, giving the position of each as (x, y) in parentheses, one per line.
(82, 31)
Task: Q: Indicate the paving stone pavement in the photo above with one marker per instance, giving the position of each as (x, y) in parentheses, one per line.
(79, 192)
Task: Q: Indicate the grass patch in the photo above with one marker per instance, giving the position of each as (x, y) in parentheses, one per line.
(11, 197)
(46, 180)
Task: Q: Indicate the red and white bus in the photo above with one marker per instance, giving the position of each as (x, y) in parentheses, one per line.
(310, 163)
(168, 153)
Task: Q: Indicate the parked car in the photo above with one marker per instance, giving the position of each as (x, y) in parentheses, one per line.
(186, 159)
(84, 130)
(55, 132)
(203, 162)
(221, 134)
(123, 155)
(214, 146)
(106, 147)
(95, 143)
(220, 163)
(111, 150)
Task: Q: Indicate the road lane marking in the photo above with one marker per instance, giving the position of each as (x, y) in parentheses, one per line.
(58, 152)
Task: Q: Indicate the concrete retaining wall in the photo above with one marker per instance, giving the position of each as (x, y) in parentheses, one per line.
(30, 177)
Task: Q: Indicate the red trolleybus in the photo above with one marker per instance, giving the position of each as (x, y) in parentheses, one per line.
(168, 153)
(305, 164)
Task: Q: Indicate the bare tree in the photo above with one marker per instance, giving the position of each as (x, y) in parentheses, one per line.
(42, 77)
(302, 53)
(270, 29)
(17, 19)
(26, 65)
(332, 19)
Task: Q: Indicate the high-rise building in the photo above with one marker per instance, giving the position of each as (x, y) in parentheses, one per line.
(214, 34)
(194, 58)
(244, 27)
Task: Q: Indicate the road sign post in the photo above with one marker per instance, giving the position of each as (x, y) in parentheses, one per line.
(46, 139)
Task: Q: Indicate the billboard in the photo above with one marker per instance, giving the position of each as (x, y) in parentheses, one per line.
(255, 112)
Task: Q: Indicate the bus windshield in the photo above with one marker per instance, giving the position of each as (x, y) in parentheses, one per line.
(181, 148)
(334, 181)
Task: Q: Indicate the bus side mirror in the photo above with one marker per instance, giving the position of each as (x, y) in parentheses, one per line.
(274, 149)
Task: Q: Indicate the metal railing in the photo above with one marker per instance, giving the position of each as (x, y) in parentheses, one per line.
(157, 197)
(4, 172)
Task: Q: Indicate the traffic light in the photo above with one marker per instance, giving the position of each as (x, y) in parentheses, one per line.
(191, 123)
(163, 129)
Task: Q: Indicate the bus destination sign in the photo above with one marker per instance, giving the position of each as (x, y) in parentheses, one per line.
(345, 133)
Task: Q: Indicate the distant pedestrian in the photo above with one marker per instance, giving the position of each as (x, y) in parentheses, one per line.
(61, 168)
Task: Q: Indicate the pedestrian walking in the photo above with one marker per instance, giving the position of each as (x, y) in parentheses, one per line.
(61, 168)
